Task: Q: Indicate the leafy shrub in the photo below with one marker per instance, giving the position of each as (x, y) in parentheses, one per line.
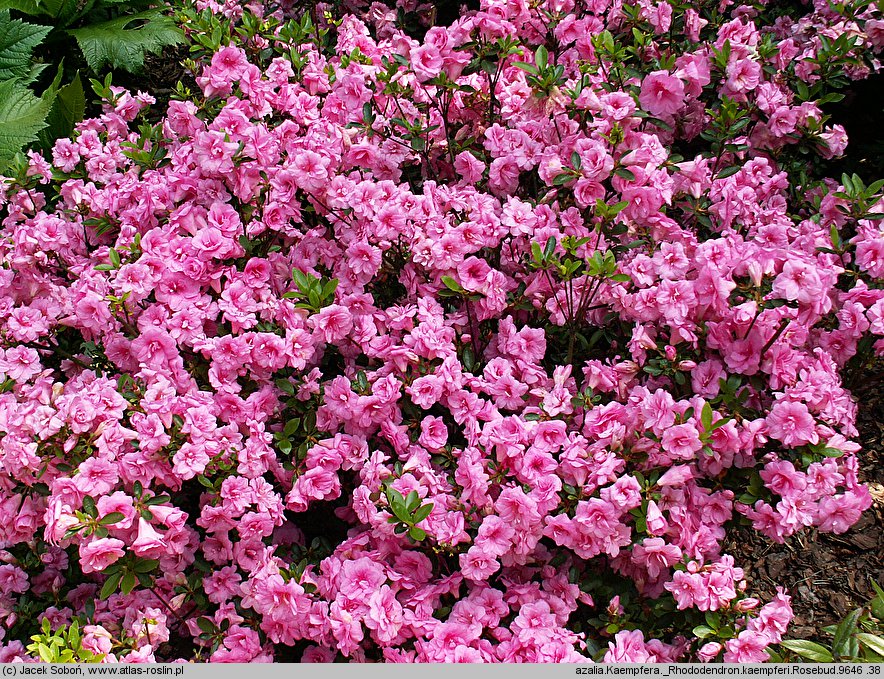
(472, 348)
(859, 637)
(109, 34)
(64, 645)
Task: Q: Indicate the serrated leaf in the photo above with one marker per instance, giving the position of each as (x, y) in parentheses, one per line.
(22, 116)
(53, 8)
(124, 41)
(17, 42)
(67, 110)
(808, 649)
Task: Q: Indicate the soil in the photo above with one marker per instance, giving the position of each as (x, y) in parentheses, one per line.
(827, 575)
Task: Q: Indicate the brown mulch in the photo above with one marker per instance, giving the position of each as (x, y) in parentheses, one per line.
(827, 575)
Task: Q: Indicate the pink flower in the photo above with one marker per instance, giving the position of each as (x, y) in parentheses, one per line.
(656, 556)
(98, 554)
(682, 441)
(661, 93)
(791, 423)
(384, 615)
(148, 544)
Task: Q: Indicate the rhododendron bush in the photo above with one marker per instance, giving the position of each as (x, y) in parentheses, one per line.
(466, 344)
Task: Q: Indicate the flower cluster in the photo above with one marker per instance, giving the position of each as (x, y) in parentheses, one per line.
(430, 348)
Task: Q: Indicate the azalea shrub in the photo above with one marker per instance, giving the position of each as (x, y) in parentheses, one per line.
(410, 343)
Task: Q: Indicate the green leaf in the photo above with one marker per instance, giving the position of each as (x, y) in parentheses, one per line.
(412, 501)
(57, 9)
(628, 175)
(703, 631)
(112, 518)
(110, 585)
(808, 649)
(832, 452)
(127, 584)
(728, 172)
(422, 512)
(845, 630)
(291, 427)
(284, 385)
(145, 565)
(45, 654)
(877, 604)
(89, 505)
(22, 116)
(17, 42)
(526, 67)
(328, 290)
(452, 284)
(416, 533)
(397, 505)
(541, 57)
(206, 625)
(124, 41)
(871, 641)
(706, 417)
(67, 110)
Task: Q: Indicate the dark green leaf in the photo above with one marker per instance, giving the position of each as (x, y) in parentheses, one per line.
(123, 42)
(110, 585)
(422, 512)
(127, 584)
(728, 172)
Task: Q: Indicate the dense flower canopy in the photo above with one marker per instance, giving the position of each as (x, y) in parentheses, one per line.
(465, 344)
